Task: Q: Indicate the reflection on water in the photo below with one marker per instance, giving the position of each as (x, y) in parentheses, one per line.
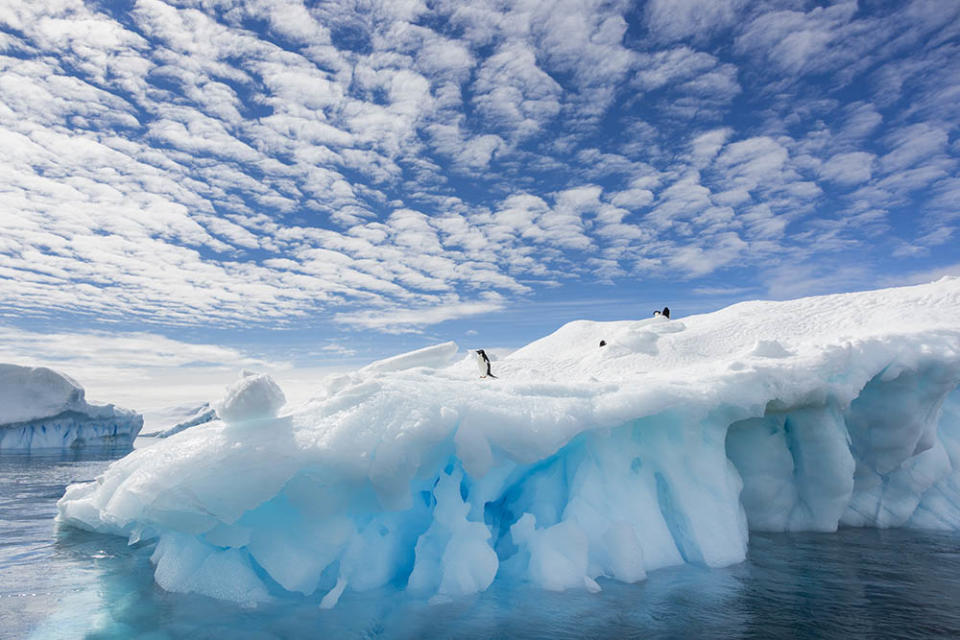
(853, 584)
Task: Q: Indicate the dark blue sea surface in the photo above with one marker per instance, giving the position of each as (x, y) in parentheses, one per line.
(857, 583)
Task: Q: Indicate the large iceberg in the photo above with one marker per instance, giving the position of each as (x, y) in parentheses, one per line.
(44, 409)
(579, 463)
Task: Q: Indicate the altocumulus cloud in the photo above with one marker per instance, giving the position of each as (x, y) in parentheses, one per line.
(392, 166)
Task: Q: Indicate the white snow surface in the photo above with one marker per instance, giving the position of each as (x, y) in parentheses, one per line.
(254, 397)
(578, 463)
(42, 409)
(432, 357)
(28, 393)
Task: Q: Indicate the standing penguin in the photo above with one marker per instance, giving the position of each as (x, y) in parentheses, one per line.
(666, 312)
(484, 363)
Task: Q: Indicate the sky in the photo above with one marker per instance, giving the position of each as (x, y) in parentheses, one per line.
(192, 187)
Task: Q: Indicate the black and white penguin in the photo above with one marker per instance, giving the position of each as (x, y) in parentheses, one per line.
(484, 363)
(657, 314)
(666, 312)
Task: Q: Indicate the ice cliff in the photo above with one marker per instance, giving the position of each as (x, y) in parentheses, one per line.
(579, 463)
(43, 409)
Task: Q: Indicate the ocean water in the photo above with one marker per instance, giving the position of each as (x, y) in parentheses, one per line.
(852, 584)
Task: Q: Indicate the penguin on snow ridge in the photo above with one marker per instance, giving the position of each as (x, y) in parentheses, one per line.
(484, 363)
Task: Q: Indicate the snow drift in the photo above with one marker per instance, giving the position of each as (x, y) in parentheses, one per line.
(43, 409)
(580, 462)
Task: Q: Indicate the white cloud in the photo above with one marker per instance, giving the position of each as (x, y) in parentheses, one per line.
(713, 253)
(513, 94)
(412, 320)
(798, 42)
(276, 162)
(670, 20)
(911, 145)
(848, 168)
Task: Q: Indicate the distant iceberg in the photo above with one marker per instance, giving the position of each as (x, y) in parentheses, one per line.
(43, 409)
(578, 464)
(184, 416)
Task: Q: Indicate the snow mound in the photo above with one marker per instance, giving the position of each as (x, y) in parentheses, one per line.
(666, 446)
(255, 396)
(769, 349)
(42, 409)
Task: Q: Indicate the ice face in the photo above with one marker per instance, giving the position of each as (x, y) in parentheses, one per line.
(579, 464)
(43, 409)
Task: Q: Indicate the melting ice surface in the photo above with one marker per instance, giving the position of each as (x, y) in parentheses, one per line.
(43, 409)
(578, 463)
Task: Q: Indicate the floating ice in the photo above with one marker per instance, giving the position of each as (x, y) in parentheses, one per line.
(184, 417)
(579, 464)
(43, 409)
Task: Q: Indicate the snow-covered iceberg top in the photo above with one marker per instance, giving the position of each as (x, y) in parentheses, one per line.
(41, 408)
(578, 462)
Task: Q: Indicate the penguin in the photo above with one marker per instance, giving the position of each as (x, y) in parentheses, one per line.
(603, 343)
(657, 314)
(666, 312)
(484, 363)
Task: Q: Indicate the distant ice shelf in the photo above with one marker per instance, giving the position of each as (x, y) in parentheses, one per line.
(579, 463)
(43, 409)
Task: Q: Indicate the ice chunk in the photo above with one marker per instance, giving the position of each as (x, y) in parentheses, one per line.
(43, 409)
(453, 556)
(557, 554)
(769, 349)
(186, 565)
(253, 397)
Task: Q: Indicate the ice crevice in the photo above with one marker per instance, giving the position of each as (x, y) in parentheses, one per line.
(577, 465)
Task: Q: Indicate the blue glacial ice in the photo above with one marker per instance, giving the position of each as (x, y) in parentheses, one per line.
(43, 409)
(579, 463)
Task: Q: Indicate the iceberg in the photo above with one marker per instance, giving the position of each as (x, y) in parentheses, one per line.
(579, 464)
(44, 409)
(185, 416)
